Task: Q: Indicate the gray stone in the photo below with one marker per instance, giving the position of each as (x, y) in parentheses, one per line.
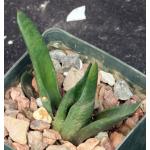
(57, 54)
(67, 61)
(71, 61)
(122, 91)
(57, 65)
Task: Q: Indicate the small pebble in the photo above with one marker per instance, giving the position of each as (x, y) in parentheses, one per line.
(143, 106)
(11, 113)
(107, 78)
(10, 42)
(39, 125)
(17, 129)
(23, 103)
(65, 74)
(122, 91)
(48, 141)
(71, 61)
(67, 61)
(57, 55)
(106, 143)
(69, 145)
(16, 92)
(110, 99)
(72, 78)
(57, 66)
(42, 114)
(39, 102)
(18, 146)
(101, 135)
(124, 129)
(135, 98)
(139, 112)
(51, 134)
(9, 104)
(35, 140)
(132, 121)
(33, 104)
(22, 117)
(116, 138)
(89, 144)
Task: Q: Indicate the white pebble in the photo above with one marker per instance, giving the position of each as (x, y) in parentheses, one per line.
(5, 37)
(42, 114)
(39, 102)
(81, 64)
(77, 14)
(10, 42)
(44, 5)
(107, 78)
(122, 90)
(65, 74)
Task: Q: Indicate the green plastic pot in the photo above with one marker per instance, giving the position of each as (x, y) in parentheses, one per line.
(135, 140)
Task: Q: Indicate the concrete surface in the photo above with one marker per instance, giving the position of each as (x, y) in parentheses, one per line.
(116, 26)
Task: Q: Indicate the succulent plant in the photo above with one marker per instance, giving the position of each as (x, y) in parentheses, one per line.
(73, 117)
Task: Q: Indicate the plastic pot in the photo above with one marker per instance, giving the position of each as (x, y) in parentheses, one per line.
(136, 139)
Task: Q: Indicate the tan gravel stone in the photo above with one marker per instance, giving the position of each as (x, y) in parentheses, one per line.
(89, 144)
(17, 129)
(18, 146)
(39, 125)
(116, 138)
(35, 140)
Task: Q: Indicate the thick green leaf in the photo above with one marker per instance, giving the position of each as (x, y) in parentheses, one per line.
(105, 120)
(41, 61)
(68, 100)
(80, 113)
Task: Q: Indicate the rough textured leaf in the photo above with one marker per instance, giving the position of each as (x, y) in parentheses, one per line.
(42, 64)
(80, 113)
(105, 120)
(68, 100)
